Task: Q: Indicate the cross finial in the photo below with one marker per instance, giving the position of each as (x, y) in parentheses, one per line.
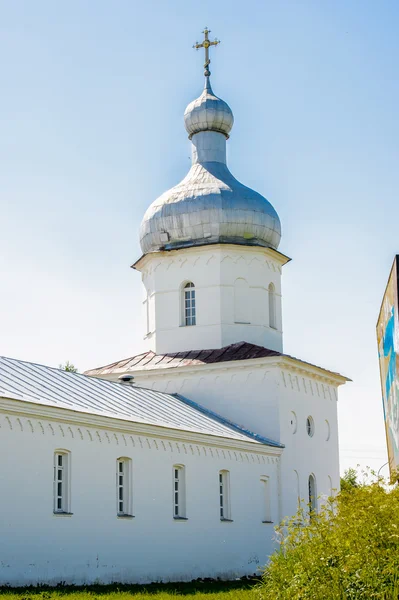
(206, 44)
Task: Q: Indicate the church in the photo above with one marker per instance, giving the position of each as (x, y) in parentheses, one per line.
(176, 463)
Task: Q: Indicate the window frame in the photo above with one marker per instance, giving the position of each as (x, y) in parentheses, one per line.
(62, 482)
(179, 493)
(124, 495)
(310, 428)
(224, 496)
(189, 304)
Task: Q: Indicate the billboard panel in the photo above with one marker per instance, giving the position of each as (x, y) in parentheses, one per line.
(388, 354)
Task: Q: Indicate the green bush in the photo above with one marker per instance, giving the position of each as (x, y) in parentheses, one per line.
(350, 550)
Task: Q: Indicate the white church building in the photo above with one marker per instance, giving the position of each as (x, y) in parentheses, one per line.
(176, 463)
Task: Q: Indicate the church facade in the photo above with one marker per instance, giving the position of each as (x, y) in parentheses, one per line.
(178, 462)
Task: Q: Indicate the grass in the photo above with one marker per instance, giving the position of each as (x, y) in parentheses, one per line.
(242, 589)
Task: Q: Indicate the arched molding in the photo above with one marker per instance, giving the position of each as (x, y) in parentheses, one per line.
(242, 308)
(312, 493)
(330, 486)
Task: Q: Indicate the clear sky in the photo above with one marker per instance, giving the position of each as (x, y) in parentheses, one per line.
(91, 132)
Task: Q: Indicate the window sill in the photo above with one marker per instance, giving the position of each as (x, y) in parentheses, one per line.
(125, 516)
(60, 513)
(180, 519)
(227, 520)
(270, 522)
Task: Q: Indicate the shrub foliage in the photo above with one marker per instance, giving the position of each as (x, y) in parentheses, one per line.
(350, 550)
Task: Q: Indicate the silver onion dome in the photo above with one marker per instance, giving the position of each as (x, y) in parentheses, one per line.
(209, 206)
(208, 113)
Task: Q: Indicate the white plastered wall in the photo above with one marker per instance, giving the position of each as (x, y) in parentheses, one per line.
(262, 397)
(215, 271)
(94, 545)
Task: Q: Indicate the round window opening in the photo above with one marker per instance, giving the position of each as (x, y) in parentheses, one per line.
(310, 426)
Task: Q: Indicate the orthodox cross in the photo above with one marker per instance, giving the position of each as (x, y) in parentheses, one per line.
(206, 44)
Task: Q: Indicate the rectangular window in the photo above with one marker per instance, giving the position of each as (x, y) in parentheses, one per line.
(62, 482)
(266, 518)
(224, 496)
(189, 305)
(124, 504)
(179, 492)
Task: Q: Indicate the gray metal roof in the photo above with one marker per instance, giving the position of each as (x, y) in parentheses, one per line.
(48, 386)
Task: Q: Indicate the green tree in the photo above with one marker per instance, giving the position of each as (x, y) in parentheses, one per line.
(68, 367)
(349, 480)
(350, 550)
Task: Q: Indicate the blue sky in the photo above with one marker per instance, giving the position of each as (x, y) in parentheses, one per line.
(91, 126)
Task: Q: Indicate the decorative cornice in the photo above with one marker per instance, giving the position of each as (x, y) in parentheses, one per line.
(20, 408)
(291, 364)
(274, 255)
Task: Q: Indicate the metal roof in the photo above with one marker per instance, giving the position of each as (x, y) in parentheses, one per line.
(48, 386)
(238, 351)
(150, 360)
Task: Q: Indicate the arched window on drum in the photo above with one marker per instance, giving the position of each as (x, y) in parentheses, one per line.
(189, 308)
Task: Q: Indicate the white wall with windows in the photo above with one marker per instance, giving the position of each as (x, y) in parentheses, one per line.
(209, 297)
(279, 398)
(116, 518)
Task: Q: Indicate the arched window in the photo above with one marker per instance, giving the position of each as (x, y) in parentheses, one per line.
(224, 496)
(312, 495)
(124, 504)
(241, 301)
(62, 482)
(179, 492)
(272, 306)
(189, 314)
